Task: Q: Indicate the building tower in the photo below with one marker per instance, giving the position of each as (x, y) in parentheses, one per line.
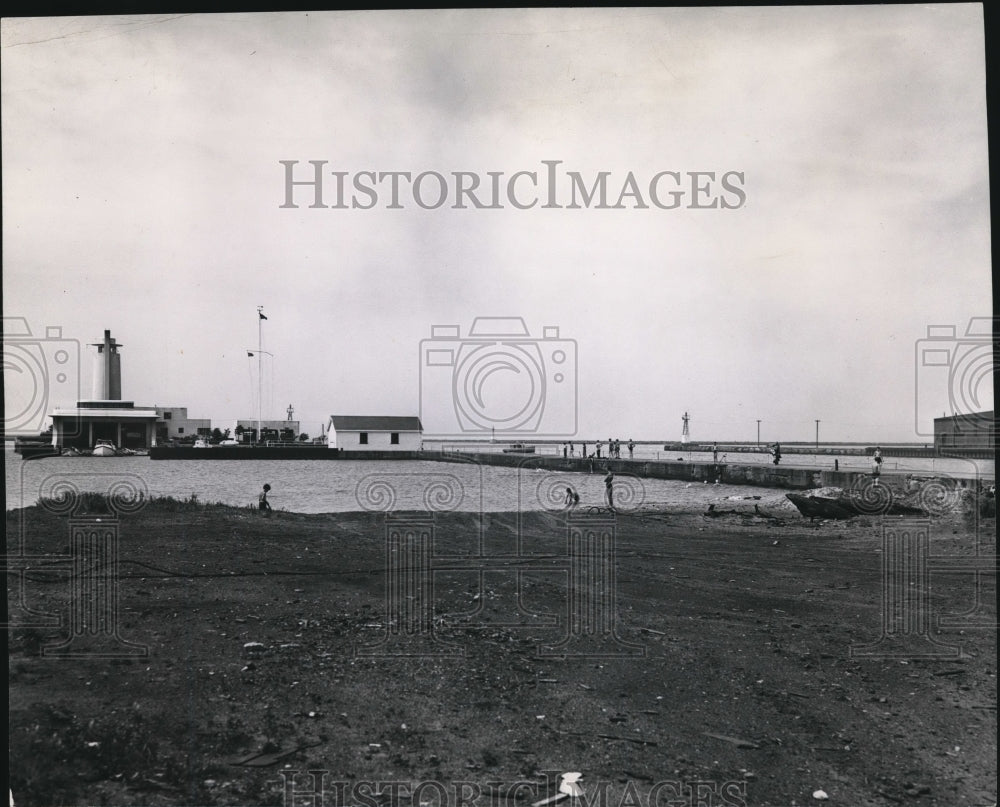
(685, 433)
(107, 370)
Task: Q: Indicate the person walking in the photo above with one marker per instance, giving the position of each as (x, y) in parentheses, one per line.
(263, 505)
(609, 488)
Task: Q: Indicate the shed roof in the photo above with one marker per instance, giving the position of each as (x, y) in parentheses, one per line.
(375, 423)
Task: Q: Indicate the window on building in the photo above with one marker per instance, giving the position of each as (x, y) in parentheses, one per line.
(363, 438)
(394, 438)
(180, 430)
(167, 415)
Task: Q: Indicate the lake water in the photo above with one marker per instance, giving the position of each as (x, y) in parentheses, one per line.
(323, 486)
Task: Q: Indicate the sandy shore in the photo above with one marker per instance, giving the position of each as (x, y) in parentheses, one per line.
(727, 661)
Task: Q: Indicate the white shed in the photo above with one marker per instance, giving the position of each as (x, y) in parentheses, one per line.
(374, 433)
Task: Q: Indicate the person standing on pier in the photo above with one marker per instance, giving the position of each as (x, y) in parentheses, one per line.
(877, 463)
(609, 489)
(631, 447)
(777, 453)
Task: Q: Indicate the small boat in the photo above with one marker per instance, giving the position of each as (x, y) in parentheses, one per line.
(104, 448)
(519, 448)
(845, 506)
(200, 444)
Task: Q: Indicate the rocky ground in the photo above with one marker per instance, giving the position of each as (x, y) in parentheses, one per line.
(733, 667)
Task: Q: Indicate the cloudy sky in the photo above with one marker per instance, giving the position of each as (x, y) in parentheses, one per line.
(143, 192)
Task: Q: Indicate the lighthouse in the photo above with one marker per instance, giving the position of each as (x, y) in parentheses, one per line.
(685, 432)
(107, 369)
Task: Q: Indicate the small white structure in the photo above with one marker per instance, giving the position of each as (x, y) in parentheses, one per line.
(374, 433)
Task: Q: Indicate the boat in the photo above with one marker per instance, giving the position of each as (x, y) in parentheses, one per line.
(519, 448)
(104, 448)
(844, 505)
(200, 443)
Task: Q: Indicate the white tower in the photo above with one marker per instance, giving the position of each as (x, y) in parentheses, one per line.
(107, 369)
(685, 432)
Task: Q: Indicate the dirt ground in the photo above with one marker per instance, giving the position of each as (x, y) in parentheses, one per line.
(727, 677)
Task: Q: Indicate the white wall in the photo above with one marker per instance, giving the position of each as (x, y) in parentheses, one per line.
(179, 420)
(377, 441)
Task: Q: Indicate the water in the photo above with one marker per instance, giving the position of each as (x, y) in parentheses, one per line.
(324, 486)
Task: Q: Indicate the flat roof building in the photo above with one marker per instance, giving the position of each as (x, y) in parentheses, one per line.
(975, 431)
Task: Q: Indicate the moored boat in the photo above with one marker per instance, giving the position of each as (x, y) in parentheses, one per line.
(104, 448)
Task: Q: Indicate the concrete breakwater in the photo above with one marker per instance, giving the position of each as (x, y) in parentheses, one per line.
(733, 473)
(769, 476)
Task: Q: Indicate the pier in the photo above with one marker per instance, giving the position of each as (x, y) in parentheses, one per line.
(730, 473)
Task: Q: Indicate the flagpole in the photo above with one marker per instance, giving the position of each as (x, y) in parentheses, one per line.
(260, 366)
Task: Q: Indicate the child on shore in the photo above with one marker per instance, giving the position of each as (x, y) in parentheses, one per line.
(263, 505)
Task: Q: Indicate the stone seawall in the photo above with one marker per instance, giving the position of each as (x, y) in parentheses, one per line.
(768, 476)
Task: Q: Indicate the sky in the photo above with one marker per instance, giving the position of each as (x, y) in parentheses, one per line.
(829, 171)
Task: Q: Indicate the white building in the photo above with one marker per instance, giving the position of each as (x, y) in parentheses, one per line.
(374, 433)
(105, 416)
(173, 423)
